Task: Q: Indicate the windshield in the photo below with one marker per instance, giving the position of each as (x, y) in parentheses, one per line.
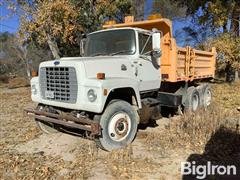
(111, 43)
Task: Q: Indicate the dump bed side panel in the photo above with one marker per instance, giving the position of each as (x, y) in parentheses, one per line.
(194, 64)
(181, 67)
(204, 64)
(187, 64)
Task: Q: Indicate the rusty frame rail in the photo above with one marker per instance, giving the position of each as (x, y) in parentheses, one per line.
(63, 118)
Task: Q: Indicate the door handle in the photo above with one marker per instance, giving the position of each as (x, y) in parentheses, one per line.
(138, 63)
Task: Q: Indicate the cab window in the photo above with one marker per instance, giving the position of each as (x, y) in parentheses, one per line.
(145, 43)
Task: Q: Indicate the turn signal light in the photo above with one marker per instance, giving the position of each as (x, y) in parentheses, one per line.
(100, 75)
(155, 16)
(129, 19)
(110, 22)
(34, 73)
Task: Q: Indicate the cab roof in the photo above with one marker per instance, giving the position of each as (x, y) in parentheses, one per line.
(114, 28)
(162, 24)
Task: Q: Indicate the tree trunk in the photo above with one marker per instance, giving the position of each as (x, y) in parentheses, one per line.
(236, 76)
(229, 73)
(235, 25)
(53, 47)
(138, 7)
(21, 52)
(225, 29)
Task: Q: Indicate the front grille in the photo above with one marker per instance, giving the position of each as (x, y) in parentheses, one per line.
(58, 84)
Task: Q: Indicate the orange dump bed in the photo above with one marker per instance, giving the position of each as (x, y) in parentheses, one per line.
(177, 64)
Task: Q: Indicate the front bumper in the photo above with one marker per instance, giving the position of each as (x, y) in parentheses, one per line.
(64, 119)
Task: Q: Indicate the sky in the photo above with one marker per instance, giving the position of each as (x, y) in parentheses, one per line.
(11, 24)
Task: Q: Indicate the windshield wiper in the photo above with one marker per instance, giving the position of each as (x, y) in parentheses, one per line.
(98, 54)
(120, 52)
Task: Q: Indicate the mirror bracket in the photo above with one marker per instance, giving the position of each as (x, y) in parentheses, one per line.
(82, 46)
(156, 53)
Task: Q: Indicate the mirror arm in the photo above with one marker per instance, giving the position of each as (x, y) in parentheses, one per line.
(145, 57)
(82, 44)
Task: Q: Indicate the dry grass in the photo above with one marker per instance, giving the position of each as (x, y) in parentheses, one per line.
(227, 95)
(190, 131)
(13, 83)
(4, 79)
(193, 130)
(123, 165)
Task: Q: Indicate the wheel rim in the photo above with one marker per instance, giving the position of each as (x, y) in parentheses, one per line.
(208, 98)
(195, 102)
(119, 126)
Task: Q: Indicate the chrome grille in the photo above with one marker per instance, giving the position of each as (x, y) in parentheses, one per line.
(60, 82)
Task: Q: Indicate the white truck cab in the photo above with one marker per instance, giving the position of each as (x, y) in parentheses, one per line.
(122, 55)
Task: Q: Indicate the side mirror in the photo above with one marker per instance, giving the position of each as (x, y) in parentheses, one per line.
(82, 46)
(156, 49)
(156, 41)
(156, 44)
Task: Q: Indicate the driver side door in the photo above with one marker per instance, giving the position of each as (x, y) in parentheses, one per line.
(148, 72)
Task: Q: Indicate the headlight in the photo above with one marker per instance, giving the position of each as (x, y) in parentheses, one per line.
(34, 89)
(92, 95)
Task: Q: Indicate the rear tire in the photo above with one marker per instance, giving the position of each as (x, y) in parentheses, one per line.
(207, 96)
(47, 128)
(119, 125)
(192, 102)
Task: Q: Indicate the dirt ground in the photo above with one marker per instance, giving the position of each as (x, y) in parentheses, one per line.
(156, 153)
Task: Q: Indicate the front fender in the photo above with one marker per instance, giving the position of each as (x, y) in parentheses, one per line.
(117, 83)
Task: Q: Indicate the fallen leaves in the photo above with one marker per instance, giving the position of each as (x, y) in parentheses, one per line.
(17, 128)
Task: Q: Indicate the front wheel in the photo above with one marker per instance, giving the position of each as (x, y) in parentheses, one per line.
(119, 125)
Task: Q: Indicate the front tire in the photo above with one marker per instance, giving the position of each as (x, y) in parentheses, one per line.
(119, 125)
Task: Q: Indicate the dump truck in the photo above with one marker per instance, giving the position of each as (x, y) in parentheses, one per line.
(127, 74)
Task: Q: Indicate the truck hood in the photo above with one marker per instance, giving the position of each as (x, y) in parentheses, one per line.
(113, 67)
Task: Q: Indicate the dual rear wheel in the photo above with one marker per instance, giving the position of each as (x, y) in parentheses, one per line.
(197, 97)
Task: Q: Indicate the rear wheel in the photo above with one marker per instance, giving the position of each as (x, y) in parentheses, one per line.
(46, 127)
(192, 100)
(207, 96)
(119, 125)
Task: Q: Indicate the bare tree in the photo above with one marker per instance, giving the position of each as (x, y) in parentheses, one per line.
(138, 9)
